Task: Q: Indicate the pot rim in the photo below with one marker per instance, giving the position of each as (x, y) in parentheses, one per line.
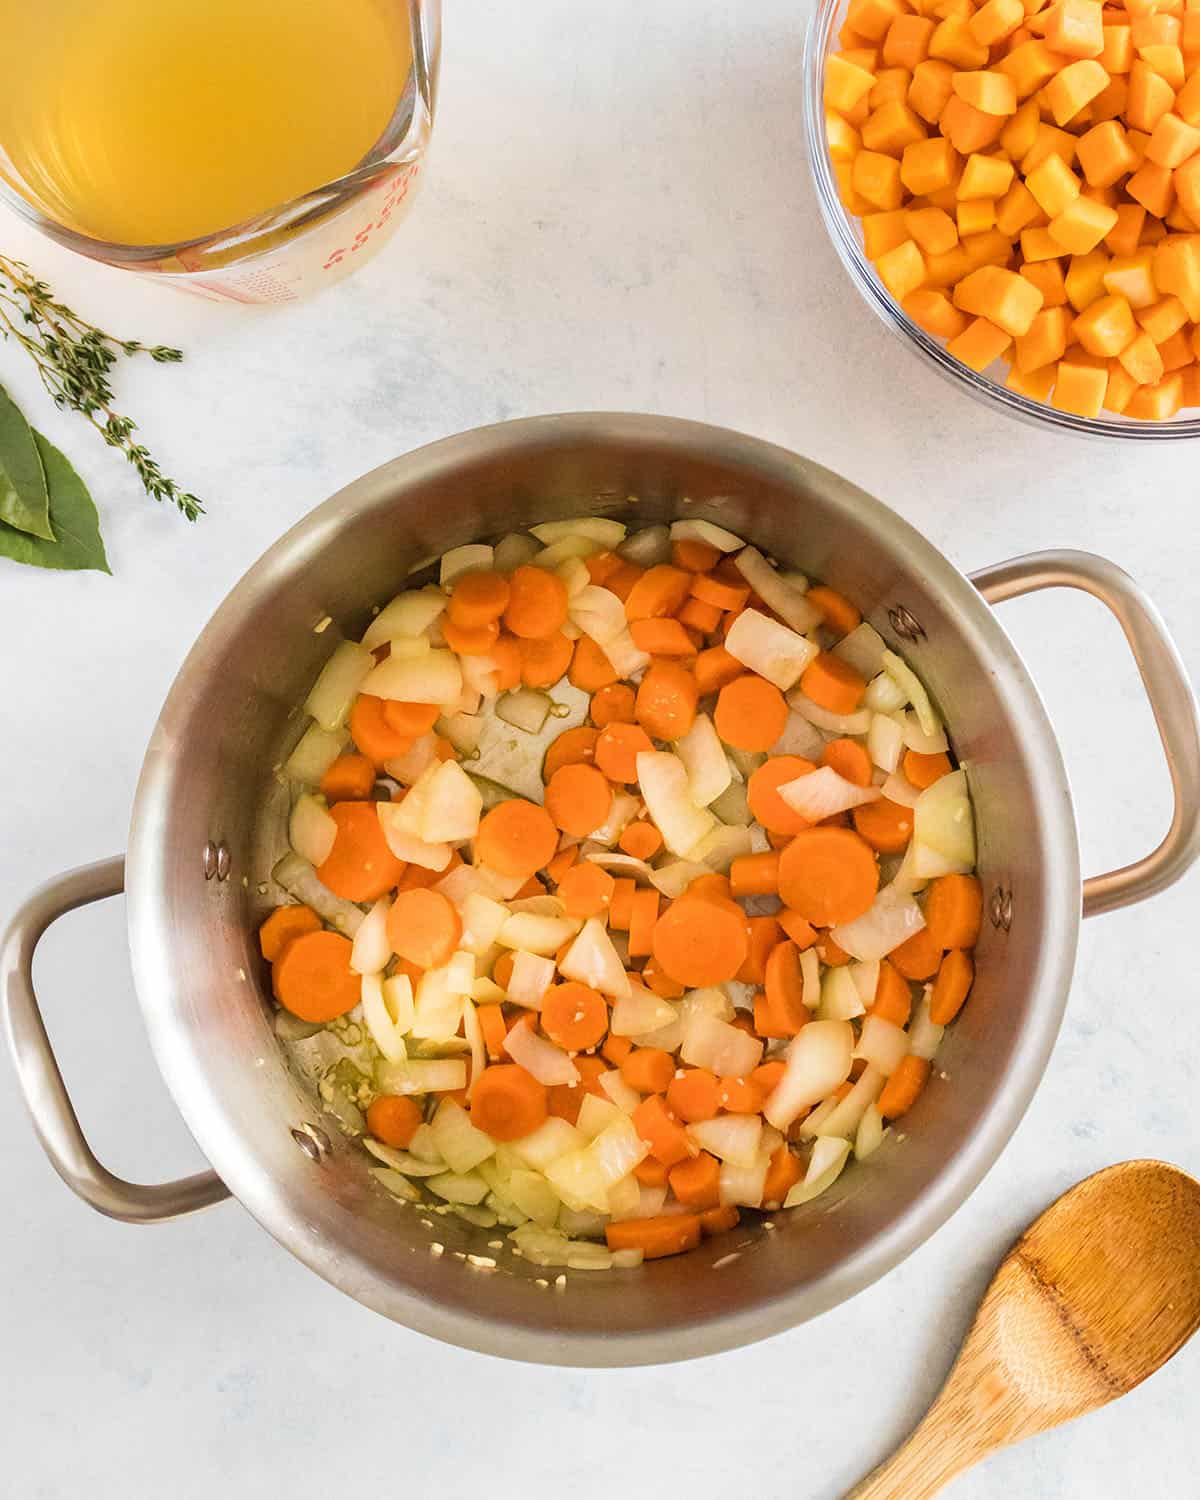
(185, 1074)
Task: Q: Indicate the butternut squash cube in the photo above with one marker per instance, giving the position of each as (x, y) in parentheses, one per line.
(980, 344)
(1001, 296)
(1029, 66)
(1076, 28)
(1167, 62)
(1125, 235)
(1172, 141)
(1153, 187)
(1036, 384)
(1105, 155)
(1019, 134)
(1039, 244)
(1116, 55)
(872, 18)
(994, 93)
(1046, 341)
(996, 20)
(901, 270)
(883, 232)
(933, 230)
(929, 165)
(935, 313)
(1141, 360)
(1047, 276)
(1082, 225)
(1163, 318)
(1176, 352)
(845, 84)
(1017, 210)
(952, 41)
(1077, 85)
(1079, 388)
(1157, 403)
(975, 217)
(932, 86)
(1053, 184)
(985, 177)
(907, 41)
(1150, 97)
(1121, 386)
(877, 179)
(1106, 327)
(968, 129)
(1133, 276)
(891, 128)
(1084, 280)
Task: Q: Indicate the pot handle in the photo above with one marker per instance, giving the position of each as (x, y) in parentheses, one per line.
(41, 1082)
(1172, 702)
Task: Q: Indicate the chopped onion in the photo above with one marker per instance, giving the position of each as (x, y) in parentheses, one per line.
(315, 752)
(371, 952)
(461, 1144)
(450, 805)
(480, 674)
(299, 879)
(396, 822)
(924, 1036)
(578, 1181)
(439, 1001)
(881, 1044)
(666, 1037)
(311, 830)
(819, 1058)
(594, 1114)
(422, 1146)
(703, 756)
(598, 613)
(462, 730)
(674, 877)
(813, 1123)
(621, 812)
(602, 529)
(387, 1023)
(769, 648)
(718, 849)
(409, 614)
(463, 879)
(648, 547)
(466, 1187)
(435, 677)
(396, 1184)
(540, 1057)
(733, 805)
(625, 656)
(486, 991)
(640, 1012)
(863, 650)
(575, 576)
(619, 1092)
(721, 1048)
(914, 689)
(799, 737)
(618, 1149)
(592, 960)
(625, 864)
(943, 828)
(524, 708)
(649, 1206)
(532, 976)
(712, 1000)
(892, 918)
(840, 999)
(870, 1133)
(513, 551)
(475, 557)
(706, 531)
(821, 793)
(824, 1166)
(482, 919)
(787, 601)
(915, 738)
(409, 768)
(844, 1118)
(883, 696)
(533, 1195)
(566, 549)
(885, 742)
(536, 934)
(732, 1138)
(743, 1185)
(810, 974)
(337, 685)
(897, 788)
(402, 1161)
(745, 762)
(423, 1075)
(663, 780)
(858, 722)
(866, 980)
(553, 1138)
(906, 877)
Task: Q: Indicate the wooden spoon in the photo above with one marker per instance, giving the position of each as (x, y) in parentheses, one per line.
(1094, 1296)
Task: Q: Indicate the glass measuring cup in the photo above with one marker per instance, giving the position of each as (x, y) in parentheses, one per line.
(137, 122)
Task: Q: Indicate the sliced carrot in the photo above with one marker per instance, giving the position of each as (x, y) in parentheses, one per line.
(951, 987)
(694, 1094)
(313, 979)
(661, 590)
(837, 613)
(565, 1099)
(751, 713)
(578, 798)
(660, 983)
(755, 875)
(545, 661)
(652, 1173)
(849, 759)
(622, 580)
(424, 927)
(418, 878)
(502, 970)
(887, 826)
(902, 1089)
(537, 602)
(697, 616)
(471, 640)
(561, 863)
(668, 1234)
(477, 598)
(893, 998)
(697, 1181)
(586, 890)
(505, 656)
(284, 925)
(410, 719)
(701, 942)
(828, 875)
(643, 915)
(572, 747)
(640, 839)
(830, 951)
(373, 734)
(954, 910)
(767, 1023)
(783, 1173)
(360, 866)
(663, 638)
(590, 669)
(574, 1015)
(713, 886)
(694, 557)
(918, 957)
(719, 1220)
(516, 838)
(532, 887)
(351, 778)
(613, 704)
(832, 683)
(494, 1030)
(768, 1074)
(784, 986)
(743, 1021)
(617, 749)
(741, 1096)
(923, 770)
(616, 1049)
(798, 928)
(714, 669)
(393, 1119)
(602, 565)
(762, 933)
(762, 792)
(648, 1069)
(507, 1102)
(659, 1129)
(666, 700)
(710, 590)
(620, 908)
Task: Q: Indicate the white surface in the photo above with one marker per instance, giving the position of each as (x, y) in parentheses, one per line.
(617, 214)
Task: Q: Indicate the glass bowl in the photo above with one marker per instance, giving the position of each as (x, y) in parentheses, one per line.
(846, 235)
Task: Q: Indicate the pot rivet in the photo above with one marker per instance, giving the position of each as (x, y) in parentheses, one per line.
(905, 624)
(217, 861)
(312, 1140)
(1000, 908)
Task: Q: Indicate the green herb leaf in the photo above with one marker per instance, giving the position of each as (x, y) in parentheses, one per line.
(73, 515)
(24, 500)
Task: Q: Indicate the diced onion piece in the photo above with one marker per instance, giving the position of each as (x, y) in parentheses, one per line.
(486, 991)
(574, 574)
(524, 708)
(619, 1092)
(475, 557)
(914, 689)
(625, 656)
(435, 677)
(819, 1058)
(299, 879)
(663, 781)
(594, 1114)
(892, 918)
(463, 730)
(640, 1012)
(451, 805)
(540, 1057)
(674, 877)
(706, 531)
(396, 1183)
(858, 722)
(311, 830)
(371, 951)
(943, 828)
(915, 737)
(703, 756)
(622, 811)
(863, 650)
(885, 742)
(455, 1187)
(898, 789)
(648, 547)
(618, 1149)
(743, 1185)
(422, 1146)
(718, 849)
(731, 1138)
(533, 1195)
(799, 737)
(409, 768)
(598, 613)
(882, 1044)
(480, 674)
(482, 919)
(338, 683)
(733, 805)
(824, 1167)
(840, 999)
(623, 864)
(649, 1206)
(396, 823)
(822, 793)
(602, 529)
(769, 648)
(745, 762)
(439, 1005)
(666, 1037)
(870, 1134)
(387, 1007)
(883, 695)
(578, 1181)
(866, 979)
(463, 879)
(532, 976)
(536, 934)
(810, 974)
(315, 752)
(513, 551)
(553, 1138)
(712, 1000)
(721, 1048)
(565, 549)
(924, 1036)
(410, 647)
(906, 877)
(461, 1144)
(402, 1161)
(844, 1117)
(409, 614)
(422, 1075)
(783, 598)
(592, 960)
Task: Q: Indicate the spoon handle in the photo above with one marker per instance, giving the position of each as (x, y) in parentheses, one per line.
(922, 1466)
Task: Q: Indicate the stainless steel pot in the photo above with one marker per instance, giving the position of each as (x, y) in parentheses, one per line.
(208, 822)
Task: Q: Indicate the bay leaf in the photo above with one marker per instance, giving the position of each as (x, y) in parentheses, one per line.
(72, 514)
(24, 496)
